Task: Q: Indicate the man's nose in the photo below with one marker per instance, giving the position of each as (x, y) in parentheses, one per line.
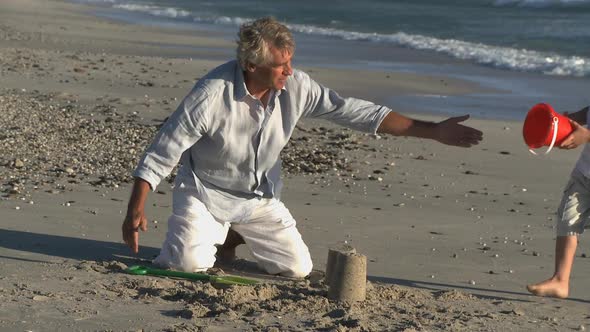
(288, 70)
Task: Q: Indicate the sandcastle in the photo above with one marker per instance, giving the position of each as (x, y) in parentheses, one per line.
(346, 274)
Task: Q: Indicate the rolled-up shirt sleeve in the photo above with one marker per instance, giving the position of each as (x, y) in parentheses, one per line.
(353, 113)
(181, 131)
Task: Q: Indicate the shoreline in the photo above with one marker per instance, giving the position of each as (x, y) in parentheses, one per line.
(452, 236)
(137, 40)
(497, 93)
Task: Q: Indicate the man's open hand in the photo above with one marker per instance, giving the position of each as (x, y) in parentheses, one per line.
(451, 132)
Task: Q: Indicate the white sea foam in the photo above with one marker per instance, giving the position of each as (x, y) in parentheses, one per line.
(500, 57)
(541, 3)
(155, 10)
(98, 1)
(224, 20)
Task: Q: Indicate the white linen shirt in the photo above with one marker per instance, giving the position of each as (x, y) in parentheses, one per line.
(230, 144)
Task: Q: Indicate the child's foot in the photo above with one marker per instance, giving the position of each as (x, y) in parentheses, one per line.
(551, 288)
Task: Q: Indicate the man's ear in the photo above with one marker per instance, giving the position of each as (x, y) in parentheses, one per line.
(250, 67)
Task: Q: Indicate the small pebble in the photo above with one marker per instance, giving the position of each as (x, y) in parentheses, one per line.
(40, 298)
(518, 312)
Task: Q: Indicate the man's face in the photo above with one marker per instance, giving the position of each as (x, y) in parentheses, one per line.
(274, 74)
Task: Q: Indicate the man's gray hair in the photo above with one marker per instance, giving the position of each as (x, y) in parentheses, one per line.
(258, 37)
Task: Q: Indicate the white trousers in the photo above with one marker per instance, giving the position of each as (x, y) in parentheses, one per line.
(269, 231)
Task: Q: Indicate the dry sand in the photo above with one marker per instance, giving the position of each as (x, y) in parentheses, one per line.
(452, 235)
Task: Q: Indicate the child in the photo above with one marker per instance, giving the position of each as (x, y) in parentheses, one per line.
(573, 211)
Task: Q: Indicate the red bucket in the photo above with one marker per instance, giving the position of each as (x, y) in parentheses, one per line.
(545, 127)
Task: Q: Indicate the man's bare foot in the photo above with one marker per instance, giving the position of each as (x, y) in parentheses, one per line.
(551, 288)
(226, 253)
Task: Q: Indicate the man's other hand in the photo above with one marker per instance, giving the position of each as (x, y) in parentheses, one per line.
(134, 221)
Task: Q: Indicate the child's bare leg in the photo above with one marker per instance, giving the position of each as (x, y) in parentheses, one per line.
(558, 284)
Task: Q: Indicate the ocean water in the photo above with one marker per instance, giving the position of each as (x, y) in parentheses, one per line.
(536, 50)
(545, 36)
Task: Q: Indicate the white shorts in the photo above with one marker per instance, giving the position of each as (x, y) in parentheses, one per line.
(574, 210)
(270, 233)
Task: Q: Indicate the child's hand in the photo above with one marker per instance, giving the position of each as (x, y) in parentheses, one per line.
(580, 135)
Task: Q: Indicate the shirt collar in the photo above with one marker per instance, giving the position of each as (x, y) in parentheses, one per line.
(240, 90)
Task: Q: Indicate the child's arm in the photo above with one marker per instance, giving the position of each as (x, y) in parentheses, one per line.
(580, 116)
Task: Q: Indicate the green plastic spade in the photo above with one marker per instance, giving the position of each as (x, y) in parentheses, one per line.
(228, 280)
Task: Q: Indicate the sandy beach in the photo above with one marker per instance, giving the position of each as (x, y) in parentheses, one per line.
(452, 236)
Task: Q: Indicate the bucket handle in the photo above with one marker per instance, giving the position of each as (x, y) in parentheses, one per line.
(555, 127)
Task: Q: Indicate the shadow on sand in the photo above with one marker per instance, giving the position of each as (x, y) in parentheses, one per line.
(482, 293)
(94, 250)
(70, 247)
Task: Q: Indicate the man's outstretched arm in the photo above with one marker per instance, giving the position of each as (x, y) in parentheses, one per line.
(449, 131)
(135, 218)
